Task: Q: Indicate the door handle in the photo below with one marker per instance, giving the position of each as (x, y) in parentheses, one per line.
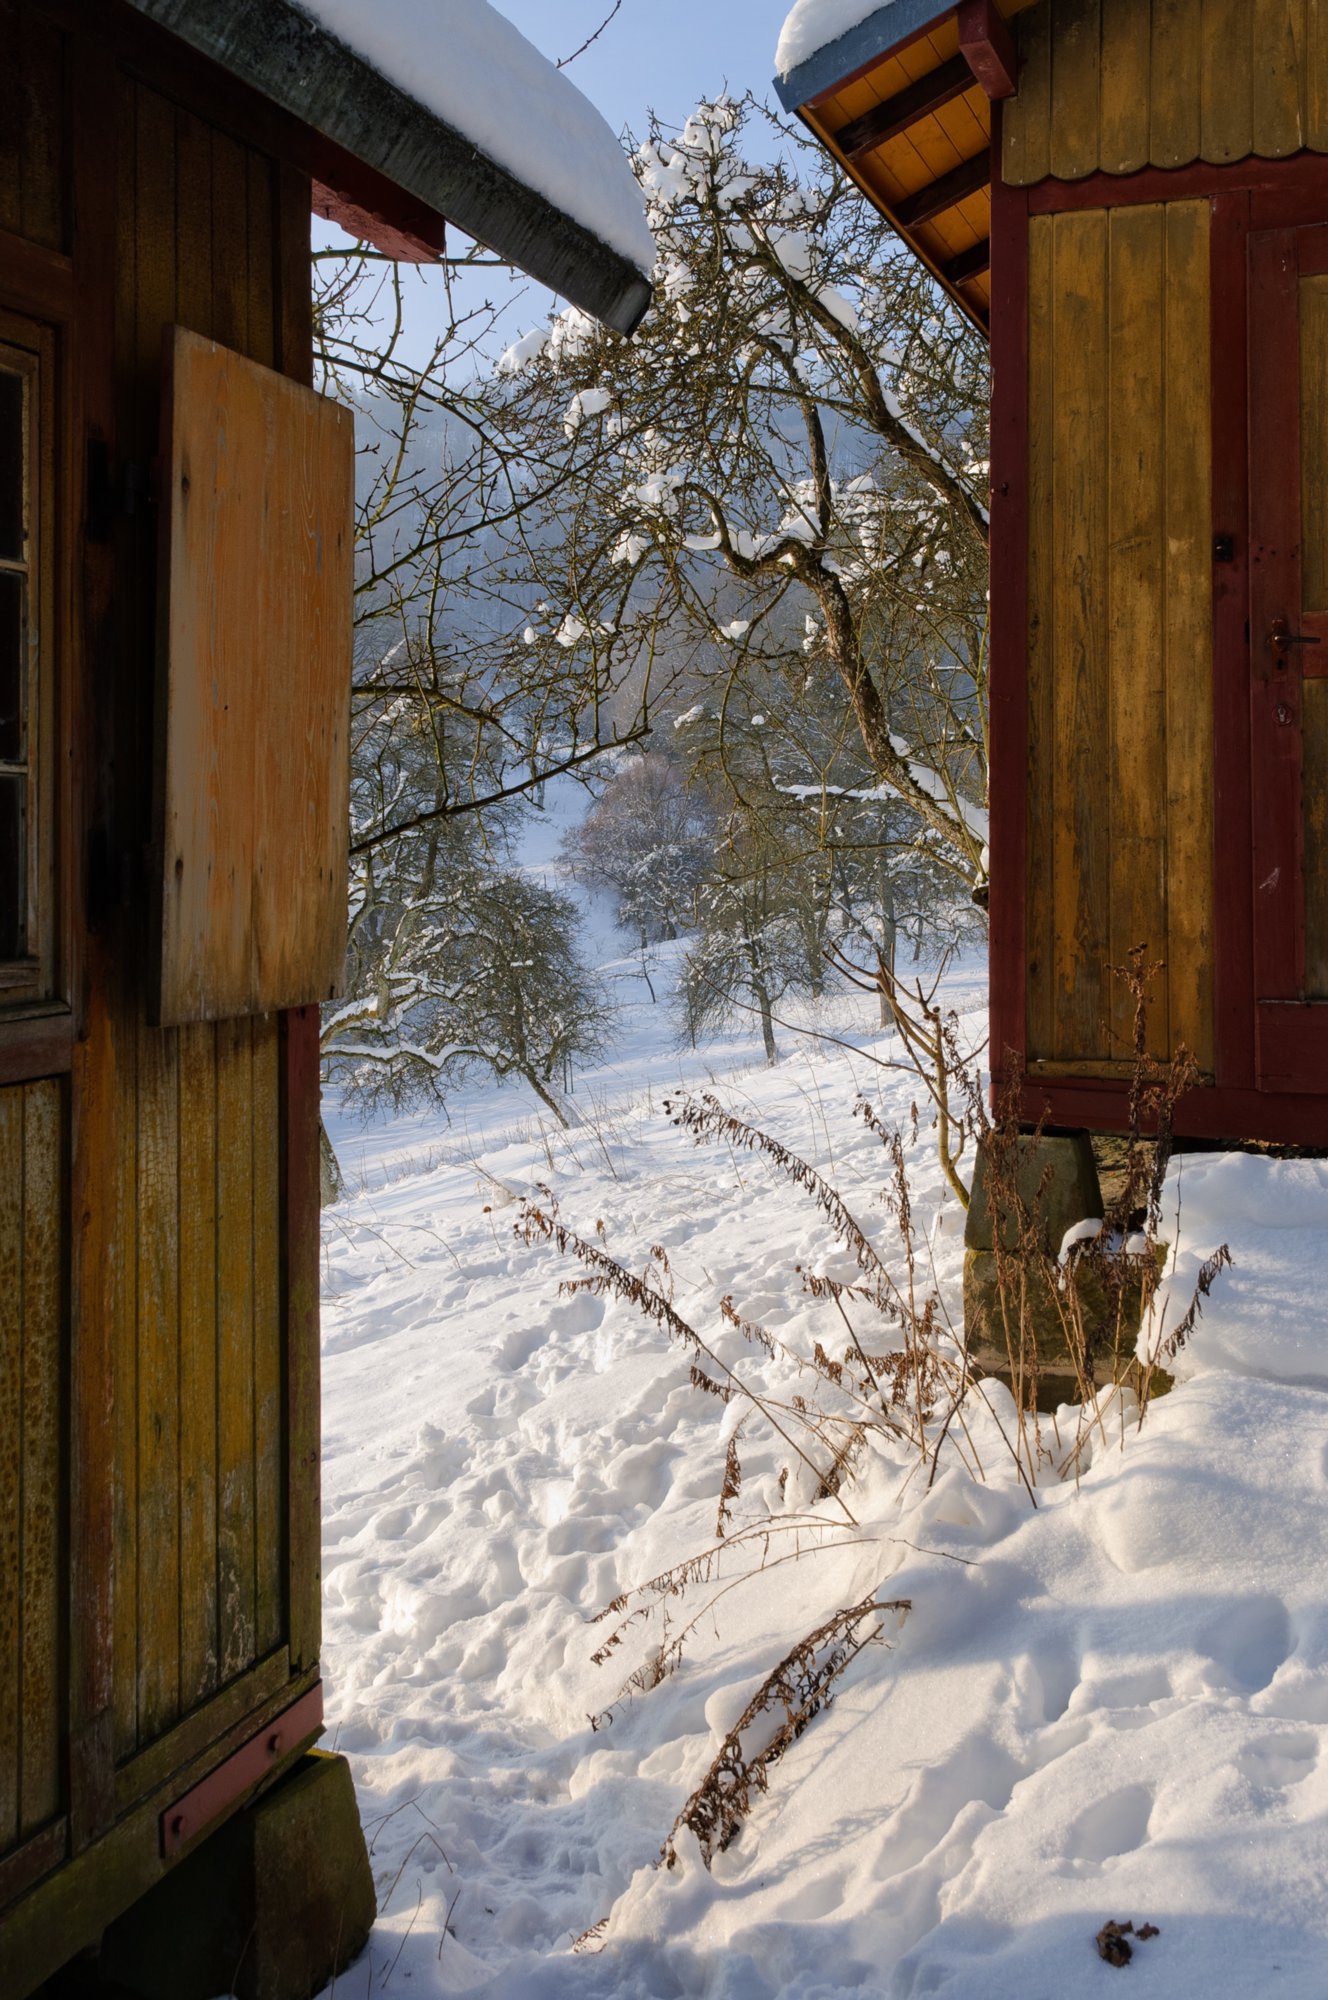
(1281, 638)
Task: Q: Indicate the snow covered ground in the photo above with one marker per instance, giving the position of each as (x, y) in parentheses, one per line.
(1113, 1706)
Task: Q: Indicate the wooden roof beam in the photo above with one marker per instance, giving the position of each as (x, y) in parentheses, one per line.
(987, 46)
(887, 121)
(970, 263)
(947, 192)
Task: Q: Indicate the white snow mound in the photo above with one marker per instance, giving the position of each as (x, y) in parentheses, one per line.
(1111, 1706)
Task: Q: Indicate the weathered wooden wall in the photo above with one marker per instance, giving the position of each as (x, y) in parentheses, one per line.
(33, 1389)
(1120, 806)
(1118, 85)
(34, 157)
(199, 1476)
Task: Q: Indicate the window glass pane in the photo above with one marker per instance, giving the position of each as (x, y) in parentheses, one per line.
(11, 467)
(12, 871)
(12, 592)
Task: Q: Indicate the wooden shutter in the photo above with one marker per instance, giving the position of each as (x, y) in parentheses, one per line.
(253, 736)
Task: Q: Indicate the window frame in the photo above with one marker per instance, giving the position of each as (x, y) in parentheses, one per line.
(31, 984)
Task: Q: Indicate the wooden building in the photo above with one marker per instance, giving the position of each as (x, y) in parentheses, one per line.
(175, 593)
(1133, 195)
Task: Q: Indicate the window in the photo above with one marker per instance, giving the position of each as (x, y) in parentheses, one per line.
(27, 926)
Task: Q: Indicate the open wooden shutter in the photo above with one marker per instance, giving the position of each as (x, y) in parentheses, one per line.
(253, 758)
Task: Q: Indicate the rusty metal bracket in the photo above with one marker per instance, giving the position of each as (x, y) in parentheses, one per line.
(242, 1771)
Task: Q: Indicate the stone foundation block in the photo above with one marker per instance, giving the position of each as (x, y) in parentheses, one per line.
(1071, 1191)
(268, 1908)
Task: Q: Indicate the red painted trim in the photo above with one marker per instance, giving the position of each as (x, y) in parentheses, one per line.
(987, 46)
(1231, 1116)
(1233, 944)
(423, 243)
(1303, 177)
(246, 1768)
(1274, 678)
(1008, 636)
(1292, 1044)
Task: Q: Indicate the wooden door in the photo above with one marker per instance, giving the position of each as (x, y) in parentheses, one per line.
(1288, 444)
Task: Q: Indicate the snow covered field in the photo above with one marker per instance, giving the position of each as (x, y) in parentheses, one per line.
(1114, 1706)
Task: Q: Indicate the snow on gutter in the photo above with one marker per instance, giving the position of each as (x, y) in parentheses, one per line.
(824, 41)
(449, 102)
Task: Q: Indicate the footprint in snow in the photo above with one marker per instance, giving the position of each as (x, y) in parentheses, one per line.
(1247, 1642)
(1115, 1825)
(1276, 1763)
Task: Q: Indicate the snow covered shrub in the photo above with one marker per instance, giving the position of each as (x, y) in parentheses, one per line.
(464, 967)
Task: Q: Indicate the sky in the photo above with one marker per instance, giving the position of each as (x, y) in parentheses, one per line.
(656, 55)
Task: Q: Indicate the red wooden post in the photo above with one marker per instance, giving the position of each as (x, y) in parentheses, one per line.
(987, 46)
(1008, 636)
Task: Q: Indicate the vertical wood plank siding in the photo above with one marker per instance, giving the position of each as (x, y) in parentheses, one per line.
(33, 1372)
(1119, 832)
(1113, 86)
(33, 163)
(200, 1472)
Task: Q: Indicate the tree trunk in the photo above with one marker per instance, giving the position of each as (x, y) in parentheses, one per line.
(546, 1097)
(767, 1020)
(331, 1181)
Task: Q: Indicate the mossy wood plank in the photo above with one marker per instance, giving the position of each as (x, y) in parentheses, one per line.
(1126, 86)
(1040, 920)
(131, 640)
(237, 1584)
(1026, 117)
(1316, 74)
(1226, 80)
(1174, 103)
(159, 1340)
(157, 223)
(43, 1468)
(11, 121)
(1278, 78)
(1136, 803)
(43, 152)
(11, 1456)
(199, 1644)
(269, 1484)
(1188, 629)
(1081, 834)
(300, 1067)
(1076, 61)
(193, 169)
(230, 255)
(261, 342)
(33, 154)
(1314, 805)
(199, 1649)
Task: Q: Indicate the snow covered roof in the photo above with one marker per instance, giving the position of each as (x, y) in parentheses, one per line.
(450, 103)
(824, 41)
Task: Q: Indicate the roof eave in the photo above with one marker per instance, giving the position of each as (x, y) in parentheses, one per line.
(857, 49)
(282, 53)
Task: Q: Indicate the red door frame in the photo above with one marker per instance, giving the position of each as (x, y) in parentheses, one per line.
(1291, 1033)
(1250, 196)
